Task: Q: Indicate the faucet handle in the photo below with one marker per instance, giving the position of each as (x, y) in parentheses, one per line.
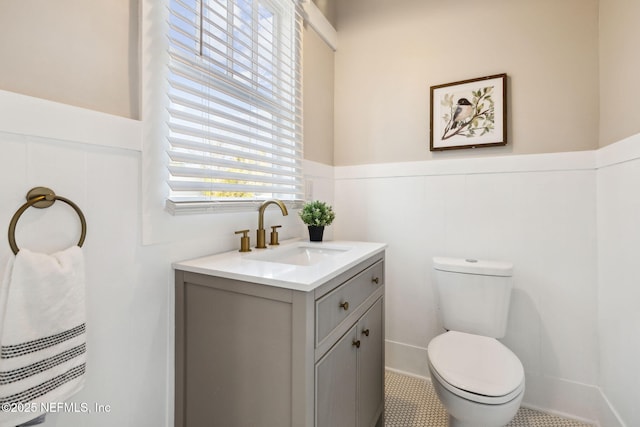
(274, 235)
(245, 246)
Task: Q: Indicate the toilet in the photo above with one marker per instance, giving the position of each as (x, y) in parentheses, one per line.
(478, 379)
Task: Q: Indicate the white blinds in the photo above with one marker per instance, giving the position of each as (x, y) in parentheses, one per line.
(235, 110)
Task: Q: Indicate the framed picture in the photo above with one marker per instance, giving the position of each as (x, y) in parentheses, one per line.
(469, 114)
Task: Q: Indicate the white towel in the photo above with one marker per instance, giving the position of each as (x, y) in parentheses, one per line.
(42, 333)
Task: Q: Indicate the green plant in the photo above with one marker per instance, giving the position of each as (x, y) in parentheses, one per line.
(317, 213)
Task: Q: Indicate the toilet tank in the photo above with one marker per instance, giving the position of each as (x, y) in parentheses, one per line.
(473, 295)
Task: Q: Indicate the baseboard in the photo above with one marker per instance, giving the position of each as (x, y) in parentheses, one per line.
(602, 412)
(608, 417)
(407, 374)
(568, 399)
(563, 414)
(407, 359)
(563, 397)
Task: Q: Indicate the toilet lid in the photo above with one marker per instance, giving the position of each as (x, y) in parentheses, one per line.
(477, 364)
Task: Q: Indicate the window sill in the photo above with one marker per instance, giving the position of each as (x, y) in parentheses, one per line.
(210, 207)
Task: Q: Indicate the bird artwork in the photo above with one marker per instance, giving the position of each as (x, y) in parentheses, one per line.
(464, 109)
(469, 114)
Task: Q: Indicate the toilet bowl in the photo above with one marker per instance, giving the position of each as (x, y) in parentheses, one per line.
(479, 381)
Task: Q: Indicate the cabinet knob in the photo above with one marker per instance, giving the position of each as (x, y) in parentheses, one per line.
(365, 332)
(375, 280)
(345, 305)
(356, 343)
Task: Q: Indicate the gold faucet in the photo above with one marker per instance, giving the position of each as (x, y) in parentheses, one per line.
(261, 232)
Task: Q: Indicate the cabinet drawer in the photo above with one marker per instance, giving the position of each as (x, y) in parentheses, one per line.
(338, 304)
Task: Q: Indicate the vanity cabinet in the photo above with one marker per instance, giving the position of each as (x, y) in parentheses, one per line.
(349, 381)
(250, 354)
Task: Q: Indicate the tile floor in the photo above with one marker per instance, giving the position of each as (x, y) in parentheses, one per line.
(412, 402)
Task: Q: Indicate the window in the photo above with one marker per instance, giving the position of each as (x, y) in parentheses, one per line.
(235, 110)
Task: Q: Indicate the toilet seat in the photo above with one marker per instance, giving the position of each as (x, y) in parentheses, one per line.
(475, 367)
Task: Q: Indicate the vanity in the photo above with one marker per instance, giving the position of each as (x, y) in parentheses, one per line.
(291, 336)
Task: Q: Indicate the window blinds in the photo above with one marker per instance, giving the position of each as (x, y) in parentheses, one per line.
(235, 110)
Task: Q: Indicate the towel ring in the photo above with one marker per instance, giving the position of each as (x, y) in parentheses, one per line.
(42, 197)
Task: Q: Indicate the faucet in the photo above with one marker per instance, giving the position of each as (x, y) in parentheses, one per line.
(261, 232)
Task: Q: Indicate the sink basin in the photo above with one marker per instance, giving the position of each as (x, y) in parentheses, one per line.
(295, 264)
(302, 254)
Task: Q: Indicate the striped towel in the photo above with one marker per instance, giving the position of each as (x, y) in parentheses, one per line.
(42, 333)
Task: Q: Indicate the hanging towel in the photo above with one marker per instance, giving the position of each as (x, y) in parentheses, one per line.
(42, 333)
(35, 421)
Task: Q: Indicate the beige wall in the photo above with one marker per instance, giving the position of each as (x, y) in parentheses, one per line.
(619, 70)
(390, 53)
(85, 54)
(329, 9)
(82, 53)
(318, 99)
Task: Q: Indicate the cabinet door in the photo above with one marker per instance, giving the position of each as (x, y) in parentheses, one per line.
(336, 384)
(370, 365)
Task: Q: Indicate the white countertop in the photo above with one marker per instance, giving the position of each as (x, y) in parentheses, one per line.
(278, 264)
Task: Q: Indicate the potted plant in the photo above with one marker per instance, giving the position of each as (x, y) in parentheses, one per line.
(316, 215)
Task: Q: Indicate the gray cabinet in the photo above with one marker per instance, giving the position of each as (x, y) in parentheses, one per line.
(370, 358)
(336, 384)
(256, 355)
(349, 381)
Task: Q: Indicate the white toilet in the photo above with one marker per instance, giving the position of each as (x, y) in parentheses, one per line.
(479, 381)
